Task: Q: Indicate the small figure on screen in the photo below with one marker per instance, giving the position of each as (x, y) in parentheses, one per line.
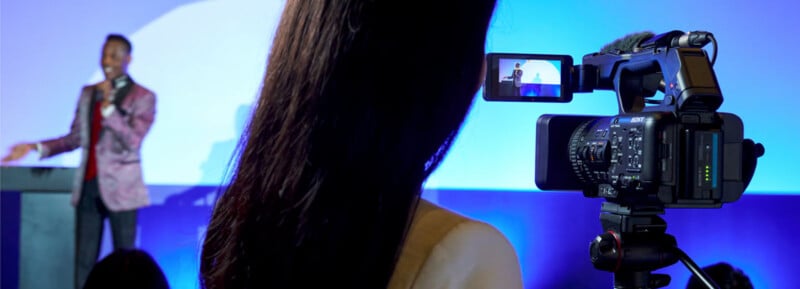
(516, 75)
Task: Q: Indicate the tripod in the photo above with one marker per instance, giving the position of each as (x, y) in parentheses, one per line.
(634, 244)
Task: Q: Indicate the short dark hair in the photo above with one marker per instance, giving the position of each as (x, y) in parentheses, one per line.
(120, 38)
(127, 268)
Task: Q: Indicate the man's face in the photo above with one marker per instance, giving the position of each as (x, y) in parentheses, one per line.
(115, 59)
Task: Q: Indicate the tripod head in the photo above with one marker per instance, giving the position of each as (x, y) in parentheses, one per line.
(634, 244)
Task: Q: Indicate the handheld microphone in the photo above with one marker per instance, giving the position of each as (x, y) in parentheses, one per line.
(97, 93)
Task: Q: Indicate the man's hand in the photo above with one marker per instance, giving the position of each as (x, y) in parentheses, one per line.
(18, 151)
(105, 90)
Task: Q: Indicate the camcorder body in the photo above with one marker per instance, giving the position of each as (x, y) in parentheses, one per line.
(676, 152)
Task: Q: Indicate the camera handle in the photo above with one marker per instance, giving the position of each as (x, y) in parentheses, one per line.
(635, 243)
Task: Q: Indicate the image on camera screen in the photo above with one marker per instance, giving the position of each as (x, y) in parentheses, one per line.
(529, 78)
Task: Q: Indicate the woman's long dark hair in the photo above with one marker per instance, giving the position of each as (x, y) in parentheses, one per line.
(360, 102)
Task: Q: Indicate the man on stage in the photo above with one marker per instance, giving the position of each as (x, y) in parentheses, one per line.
(516, 75)
(112, 119)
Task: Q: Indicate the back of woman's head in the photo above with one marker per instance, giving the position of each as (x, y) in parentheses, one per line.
(127, 269)
(360, 102)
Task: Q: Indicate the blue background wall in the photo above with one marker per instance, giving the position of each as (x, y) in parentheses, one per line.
(205, 60)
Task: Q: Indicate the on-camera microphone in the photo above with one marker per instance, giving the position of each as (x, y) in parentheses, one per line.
(628, 43)
(695, 39)
(679, 39)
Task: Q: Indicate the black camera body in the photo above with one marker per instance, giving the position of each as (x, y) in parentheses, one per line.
(674, 152)
(645, 159)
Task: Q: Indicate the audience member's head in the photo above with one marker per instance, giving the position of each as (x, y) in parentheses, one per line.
(354, 114)
(725, 275)
(127, 269)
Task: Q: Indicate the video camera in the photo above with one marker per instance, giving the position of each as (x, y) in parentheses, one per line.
(676, 152)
